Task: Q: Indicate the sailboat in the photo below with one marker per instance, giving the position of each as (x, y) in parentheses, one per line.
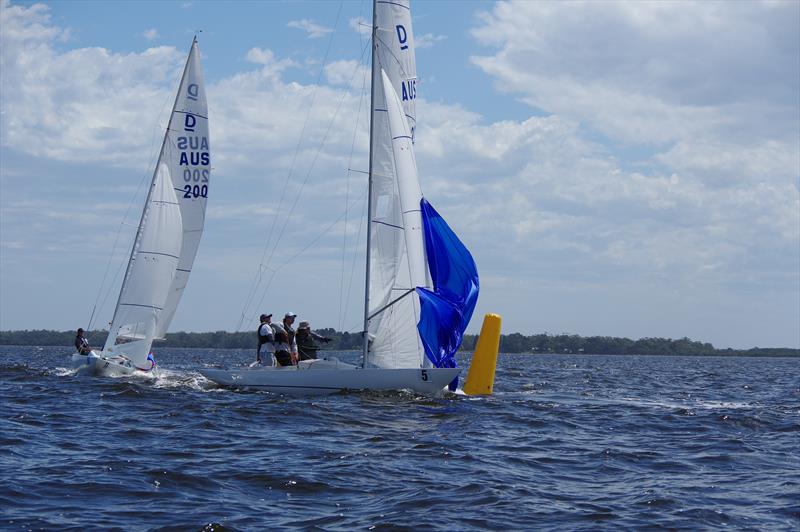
(421, 282)
(167, 237)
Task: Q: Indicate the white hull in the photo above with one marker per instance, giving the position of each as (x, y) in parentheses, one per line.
(114, 366)
(330, 376)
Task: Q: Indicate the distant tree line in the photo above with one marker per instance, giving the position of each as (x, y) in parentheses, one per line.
(345, 341)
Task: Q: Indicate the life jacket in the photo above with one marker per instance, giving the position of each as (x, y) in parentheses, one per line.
(306, 347)
(81, 343)
(264, 338)
(281, 337)
(289, 333)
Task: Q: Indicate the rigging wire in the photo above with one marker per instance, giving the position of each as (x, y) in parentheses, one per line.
(347, 198)
(258, 276)
(326, 230)
(305, 180)
(264, 265)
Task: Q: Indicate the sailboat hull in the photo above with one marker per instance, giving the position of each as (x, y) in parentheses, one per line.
(96, 364)
(320, 377)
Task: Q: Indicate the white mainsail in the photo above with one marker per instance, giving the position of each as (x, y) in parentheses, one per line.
(187, 154)
(150, 273)
(395, 342)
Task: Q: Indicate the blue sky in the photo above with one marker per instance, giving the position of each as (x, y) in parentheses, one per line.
(623, 169)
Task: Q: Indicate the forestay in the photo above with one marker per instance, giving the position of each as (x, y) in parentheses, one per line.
(395, 342)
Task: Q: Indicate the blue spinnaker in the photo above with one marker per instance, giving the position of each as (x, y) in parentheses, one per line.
(445, 312)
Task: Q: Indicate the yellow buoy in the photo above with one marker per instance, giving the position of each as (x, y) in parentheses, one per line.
(480, 378)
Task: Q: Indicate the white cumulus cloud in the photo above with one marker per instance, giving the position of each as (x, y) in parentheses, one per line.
(314, 30)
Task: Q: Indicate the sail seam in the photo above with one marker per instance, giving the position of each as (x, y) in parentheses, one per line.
(159, 253)
(191, 113)
(387, 224)
(139, 305)
(394, 4)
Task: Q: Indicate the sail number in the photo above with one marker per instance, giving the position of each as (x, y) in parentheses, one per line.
(198, 190)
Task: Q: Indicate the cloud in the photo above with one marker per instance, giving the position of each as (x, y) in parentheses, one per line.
(361, 26)
(654, 72)
(632, 182)
(314, 30)
(427, 40)
(151, 34)
(349, 73)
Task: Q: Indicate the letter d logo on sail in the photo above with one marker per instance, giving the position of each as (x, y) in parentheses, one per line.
(192, 91)
(189, 122)
(402, 36)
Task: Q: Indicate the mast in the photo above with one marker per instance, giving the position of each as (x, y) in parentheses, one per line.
(365, 353)
(150, 190)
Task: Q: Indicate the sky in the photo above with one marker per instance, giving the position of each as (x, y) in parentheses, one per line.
(617, 169)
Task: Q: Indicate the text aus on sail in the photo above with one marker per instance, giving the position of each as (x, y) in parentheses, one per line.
(194, 158)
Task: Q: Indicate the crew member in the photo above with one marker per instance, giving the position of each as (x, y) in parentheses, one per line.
(306, 346)
(266, 341)
(81, 343)
(283, 349)
(288, 320)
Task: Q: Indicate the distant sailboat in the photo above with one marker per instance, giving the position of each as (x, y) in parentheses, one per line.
(167, 238)
(421, 282)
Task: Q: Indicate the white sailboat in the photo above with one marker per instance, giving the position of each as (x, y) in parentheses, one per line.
(167, 238)
(421, 282)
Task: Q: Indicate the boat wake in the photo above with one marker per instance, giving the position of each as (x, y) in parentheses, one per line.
(174, 379)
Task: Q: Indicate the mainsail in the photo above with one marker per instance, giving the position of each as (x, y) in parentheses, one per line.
(392, 325)
(186, 152)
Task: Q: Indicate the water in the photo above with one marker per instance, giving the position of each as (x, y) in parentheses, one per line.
(566, 442)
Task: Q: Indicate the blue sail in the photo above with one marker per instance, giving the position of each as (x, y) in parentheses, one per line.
(446, 310)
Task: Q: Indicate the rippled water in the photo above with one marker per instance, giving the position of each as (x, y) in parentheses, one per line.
(568, 442)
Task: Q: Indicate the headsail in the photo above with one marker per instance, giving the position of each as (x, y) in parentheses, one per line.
(394, 343)
(187, 154)
(150, 273)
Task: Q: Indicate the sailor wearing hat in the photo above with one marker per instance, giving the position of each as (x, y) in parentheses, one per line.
(266, 339)
(306, 347)
(285, 344)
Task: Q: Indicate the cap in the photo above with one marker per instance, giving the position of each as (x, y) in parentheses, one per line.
(290, 315)
(304, 325)
(266, 316)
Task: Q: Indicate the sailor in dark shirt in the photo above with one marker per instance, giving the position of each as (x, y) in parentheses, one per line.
(306, 346)
(81, 343)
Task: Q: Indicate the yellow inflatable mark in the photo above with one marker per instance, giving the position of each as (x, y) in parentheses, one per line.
(480, 378)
